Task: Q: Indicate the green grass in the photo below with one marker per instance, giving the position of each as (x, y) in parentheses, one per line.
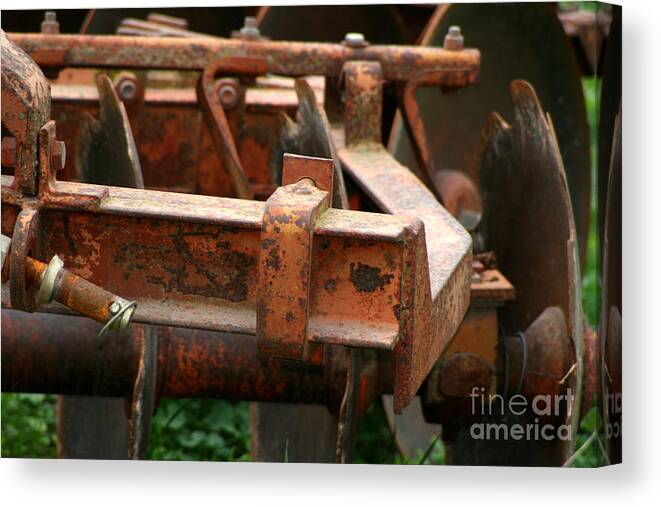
(219, 431)
(591, 288)
(28, 425)
(211, 430)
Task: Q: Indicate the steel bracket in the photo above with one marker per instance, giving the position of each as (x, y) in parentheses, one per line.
(285, 259)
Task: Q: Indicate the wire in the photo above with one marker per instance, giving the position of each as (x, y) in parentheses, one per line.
(117, 316)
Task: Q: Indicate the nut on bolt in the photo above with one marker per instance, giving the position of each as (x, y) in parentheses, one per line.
(50, 25)
(355, 40)
(127, 87)
(250, 30)
(454, 41)
(228, 92)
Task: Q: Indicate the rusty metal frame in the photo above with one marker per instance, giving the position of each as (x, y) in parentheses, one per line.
(369, 279)
(450, 68)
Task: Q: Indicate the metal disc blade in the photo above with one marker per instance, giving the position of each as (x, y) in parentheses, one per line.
(107, 154)
(611, 311)
(528, 223)
(516, 41)
(609, 105)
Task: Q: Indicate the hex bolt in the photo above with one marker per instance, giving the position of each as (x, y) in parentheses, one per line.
(228, 92)
(454, 41)
(50, 25)
(355, 40)
(250, 30)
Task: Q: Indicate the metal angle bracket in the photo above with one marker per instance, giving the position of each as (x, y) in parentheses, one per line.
(285, 259)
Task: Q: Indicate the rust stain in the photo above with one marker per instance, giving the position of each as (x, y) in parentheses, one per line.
(367, 278)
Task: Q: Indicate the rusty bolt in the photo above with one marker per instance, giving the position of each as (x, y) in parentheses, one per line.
(355, 40)
(127, 88)
(9, 151)
(59, 155)
(228, 92)
(50, 25)
(454, 41)
(250, 30)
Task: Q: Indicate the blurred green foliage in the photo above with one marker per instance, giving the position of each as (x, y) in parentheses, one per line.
(28, 425)
(591, 287)
(212, 430)
(201, 429)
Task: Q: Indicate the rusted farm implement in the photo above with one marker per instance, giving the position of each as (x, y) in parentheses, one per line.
(252, 219)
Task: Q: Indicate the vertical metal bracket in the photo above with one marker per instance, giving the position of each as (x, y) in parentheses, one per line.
(285, 258)
(364, 101)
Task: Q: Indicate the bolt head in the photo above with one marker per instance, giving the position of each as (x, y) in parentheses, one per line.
(127, 89)
(50, 25)
(454, 41)
(355, 40)
(249, 30)
(228, 93)
(114, 307)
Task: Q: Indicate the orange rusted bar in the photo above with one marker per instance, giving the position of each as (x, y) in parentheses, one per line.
(451, 68)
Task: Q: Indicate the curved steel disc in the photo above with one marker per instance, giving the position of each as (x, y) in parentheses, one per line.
(517, 41)
(107, 153)
(378, 23)
(529, 225)
(611, 311)
(609, 105)
(527, 220)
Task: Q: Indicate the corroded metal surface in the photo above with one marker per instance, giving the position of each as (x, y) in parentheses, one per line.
(509, 36)
(291, 300)
(309, 135)
(107, 153)
(190, 363)
(455, 68)
(444, 290)
(610, 102)
(285, 264)
(610, 330)
(533, 235)
(25, 108)
(213, 108)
